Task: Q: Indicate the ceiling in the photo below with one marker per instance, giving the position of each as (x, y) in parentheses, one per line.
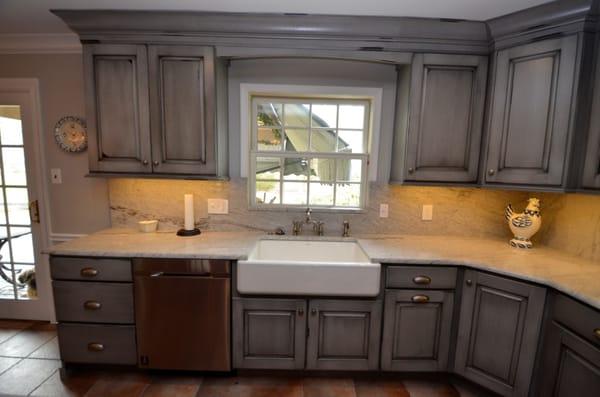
(33, 16)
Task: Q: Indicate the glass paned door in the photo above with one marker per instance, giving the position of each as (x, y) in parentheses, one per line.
(25, 289)
(17, 262)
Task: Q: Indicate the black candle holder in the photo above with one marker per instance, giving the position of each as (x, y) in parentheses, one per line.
(188, 233)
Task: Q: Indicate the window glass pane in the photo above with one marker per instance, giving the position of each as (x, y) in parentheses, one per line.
(349, 170)
(352, 116)
(14, 166)
(324, 115)
(7, 289)
(296, 140)
(269, 114)
(268, 138)
(5, 250)
(11, 131)
(323, 141)
(321, 193)
(294, 193)
(296, 114)
(23, 290)
(2, 213)
(268, 168)
(267, 192)
(18, 206)
(322, 169)
(347, 195)
(22, 246)
(350, 141)
(295, 169)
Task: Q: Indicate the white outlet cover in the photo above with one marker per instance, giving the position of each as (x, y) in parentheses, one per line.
(218, 206)
(384, 210)
(427, 214)
(56, 176)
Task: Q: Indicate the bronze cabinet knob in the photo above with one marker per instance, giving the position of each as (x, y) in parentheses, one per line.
(597, 333)
(92, 305)
(420, 299)
(422, 280)
(145, 162)
(95, 347)
(411, 170)
(155, 162)
(491, 171)
(89, 272)
(313, 311)
(469, 282)
(300, 312)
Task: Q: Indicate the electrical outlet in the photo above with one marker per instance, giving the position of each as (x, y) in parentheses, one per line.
(427, 214)
(384, 210)
(218, 206)
(56, 175)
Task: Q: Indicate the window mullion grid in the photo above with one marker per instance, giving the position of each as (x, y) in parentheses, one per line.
(8, 231)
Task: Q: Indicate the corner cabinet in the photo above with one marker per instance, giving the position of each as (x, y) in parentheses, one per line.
(447, 98)
(498, 332)
(151, 109)
(531, 112)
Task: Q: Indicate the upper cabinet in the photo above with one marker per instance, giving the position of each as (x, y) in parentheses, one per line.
(447, 98)
(151, 109)
(116, 85)
(591, 168)
(532, 113)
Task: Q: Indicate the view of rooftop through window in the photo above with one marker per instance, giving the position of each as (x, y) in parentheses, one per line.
(310, 152)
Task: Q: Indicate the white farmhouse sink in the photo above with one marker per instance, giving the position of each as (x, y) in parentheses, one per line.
(298, 267)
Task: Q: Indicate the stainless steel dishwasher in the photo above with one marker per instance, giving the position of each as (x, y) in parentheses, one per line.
(182, 312)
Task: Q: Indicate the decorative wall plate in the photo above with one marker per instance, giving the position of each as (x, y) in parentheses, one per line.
(70, 134)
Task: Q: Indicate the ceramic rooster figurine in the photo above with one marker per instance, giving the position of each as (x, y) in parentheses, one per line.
(525, 224)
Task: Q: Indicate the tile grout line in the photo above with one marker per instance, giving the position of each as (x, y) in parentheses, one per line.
(41, 346)
(20, 359)
(44, 381)
(20, 331)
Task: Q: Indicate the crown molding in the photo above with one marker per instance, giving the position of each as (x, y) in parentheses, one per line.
(36, 43)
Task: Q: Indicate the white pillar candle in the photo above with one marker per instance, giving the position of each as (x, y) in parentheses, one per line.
(189, 211)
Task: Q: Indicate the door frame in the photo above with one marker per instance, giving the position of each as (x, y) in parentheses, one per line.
(43, 307)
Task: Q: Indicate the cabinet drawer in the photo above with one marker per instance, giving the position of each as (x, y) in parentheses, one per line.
(93, 269)
(581, 319)
(100, 344)
(421, 277)
(93, 302)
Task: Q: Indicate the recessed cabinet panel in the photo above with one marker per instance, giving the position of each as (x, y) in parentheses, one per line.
(182, 104)
(591, 167)
(530, 113)
(344, 335)
(445, 121)
(416, 331)
(498, 332)
(117, 108)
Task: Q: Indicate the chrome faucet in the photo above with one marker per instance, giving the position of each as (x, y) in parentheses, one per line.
(318, 226)
(346, 232)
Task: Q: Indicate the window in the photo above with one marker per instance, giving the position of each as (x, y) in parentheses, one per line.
(309, 152)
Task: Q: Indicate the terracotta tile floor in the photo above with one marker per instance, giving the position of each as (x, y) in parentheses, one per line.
(29, 365)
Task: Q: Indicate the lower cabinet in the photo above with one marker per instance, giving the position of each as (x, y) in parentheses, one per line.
(498, 332)
(280, 334)
(416, 330)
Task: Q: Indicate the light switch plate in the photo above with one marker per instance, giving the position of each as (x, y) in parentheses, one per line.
(56, 176)
(384, 210)
(427, 214)
(218, 206)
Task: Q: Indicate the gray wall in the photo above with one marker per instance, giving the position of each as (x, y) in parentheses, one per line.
(79, 204)
(326, 72)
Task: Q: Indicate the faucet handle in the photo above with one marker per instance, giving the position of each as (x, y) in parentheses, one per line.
(346, 231)
(320, 228)
(296, 226)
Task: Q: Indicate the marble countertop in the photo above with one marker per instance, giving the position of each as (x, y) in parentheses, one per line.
(570, 274)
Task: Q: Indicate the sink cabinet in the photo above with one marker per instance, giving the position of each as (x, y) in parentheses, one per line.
(280, 333)
(498, 332)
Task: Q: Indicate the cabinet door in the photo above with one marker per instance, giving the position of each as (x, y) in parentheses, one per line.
(446, 117)
(591, 168)
(416, 330)
(530, 112)
(116, 90)
(343, 335)
(498, 332)
(570, 365)
(269, 333)
(182, 103)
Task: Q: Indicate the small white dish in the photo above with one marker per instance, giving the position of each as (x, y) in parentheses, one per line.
(148, 226)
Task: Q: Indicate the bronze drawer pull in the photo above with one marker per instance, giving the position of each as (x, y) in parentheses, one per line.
(597, 333)
(95, 347)
(420, 299)
(89, 272)
(92, 305)
(422, 280)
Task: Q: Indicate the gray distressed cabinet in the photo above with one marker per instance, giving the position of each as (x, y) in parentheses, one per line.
(281, 333)
(447, 99)
(151, 109)
(416, 330)
(531, 112)
(498, 332)
(116, 92)
(591, 167)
